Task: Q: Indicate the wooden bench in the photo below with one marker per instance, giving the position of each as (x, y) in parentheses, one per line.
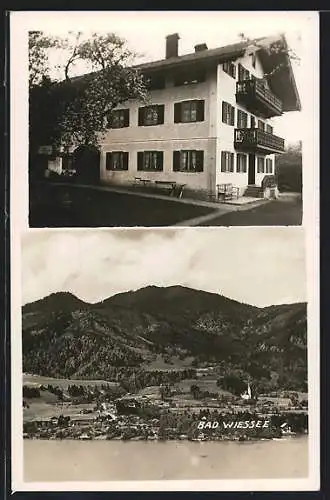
(172, 187)
(139, 180)
(227, 192)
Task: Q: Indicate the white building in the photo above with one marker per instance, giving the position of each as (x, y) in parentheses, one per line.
(208, 122)
(209, 118)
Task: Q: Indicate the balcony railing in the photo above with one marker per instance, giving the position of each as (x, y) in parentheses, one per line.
(254, 95)
(254, 140)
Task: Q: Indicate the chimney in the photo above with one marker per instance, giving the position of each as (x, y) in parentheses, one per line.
(200, 47)
(172, 45)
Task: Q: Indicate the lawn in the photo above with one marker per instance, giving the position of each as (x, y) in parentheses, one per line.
(273, 213)
(63, 206)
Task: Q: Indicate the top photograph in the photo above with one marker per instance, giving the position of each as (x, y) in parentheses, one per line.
(167, 119)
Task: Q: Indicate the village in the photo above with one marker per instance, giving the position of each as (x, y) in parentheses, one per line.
(156, 414)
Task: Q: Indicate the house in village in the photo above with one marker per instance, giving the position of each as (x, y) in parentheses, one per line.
(208, 122)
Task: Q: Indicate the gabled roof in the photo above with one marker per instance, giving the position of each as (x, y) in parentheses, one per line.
(222, 54)
(281, 81)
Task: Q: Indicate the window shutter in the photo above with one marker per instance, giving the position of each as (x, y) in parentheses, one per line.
(141, 116)
(108, 161)
(140, 160)
(231, 168)
(160, 112)
(176, 161)
(240, 72)
(200, 111)
(125, 160)
(234, 71)
(224, 111)
(126, 117)
(160, 160)
(261, 125)
(232, 115)
(177, 112)
(199, 161)
(245, 164)
(223, 161)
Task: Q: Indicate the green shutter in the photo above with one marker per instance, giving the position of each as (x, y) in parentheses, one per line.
(141, 116)
(176, 161)
(125, 160)
(224, 111)
(108, 161)
(140, 160)
(232, 115)
(126, 117)
(199, 161)
(223, 161)
(177, 112)
(200, 111)
(160, 160)
(160, 112)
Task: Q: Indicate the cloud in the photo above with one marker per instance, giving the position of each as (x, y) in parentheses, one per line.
(255, 265)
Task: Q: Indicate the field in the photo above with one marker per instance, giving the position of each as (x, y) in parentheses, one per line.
(62, 383)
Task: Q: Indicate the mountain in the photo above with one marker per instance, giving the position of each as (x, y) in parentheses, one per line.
(66, 337)
(55, 301)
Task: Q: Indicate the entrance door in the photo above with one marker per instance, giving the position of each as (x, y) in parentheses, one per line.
(252, 169)
(86, 162)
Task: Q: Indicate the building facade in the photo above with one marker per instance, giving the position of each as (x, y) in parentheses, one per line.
(208, 120)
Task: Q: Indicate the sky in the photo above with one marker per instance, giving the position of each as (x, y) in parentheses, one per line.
(145, 33)
(258, 266)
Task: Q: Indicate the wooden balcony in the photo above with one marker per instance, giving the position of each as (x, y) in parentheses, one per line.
(257, 98)
(255, 140)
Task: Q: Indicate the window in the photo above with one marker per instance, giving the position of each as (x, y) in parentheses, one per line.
(254, 59)
(188, 111)
(229, 68)
(150, 160)
(155, 82)
(119, 118)
(227, 161)
(189, 77)
(260, 165)
(241, 164)
(269, 166)
(253, 122)
(151, 115)
(269, 129)
(188, 161)
(261, 125)
(228, 113)
(243, 73)
(242, 119)
(117, 160)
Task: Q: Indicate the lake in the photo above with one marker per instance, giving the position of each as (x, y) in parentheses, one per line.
(73, 460)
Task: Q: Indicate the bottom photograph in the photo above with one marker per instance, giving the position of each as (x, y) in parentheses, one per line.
(164, 354)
